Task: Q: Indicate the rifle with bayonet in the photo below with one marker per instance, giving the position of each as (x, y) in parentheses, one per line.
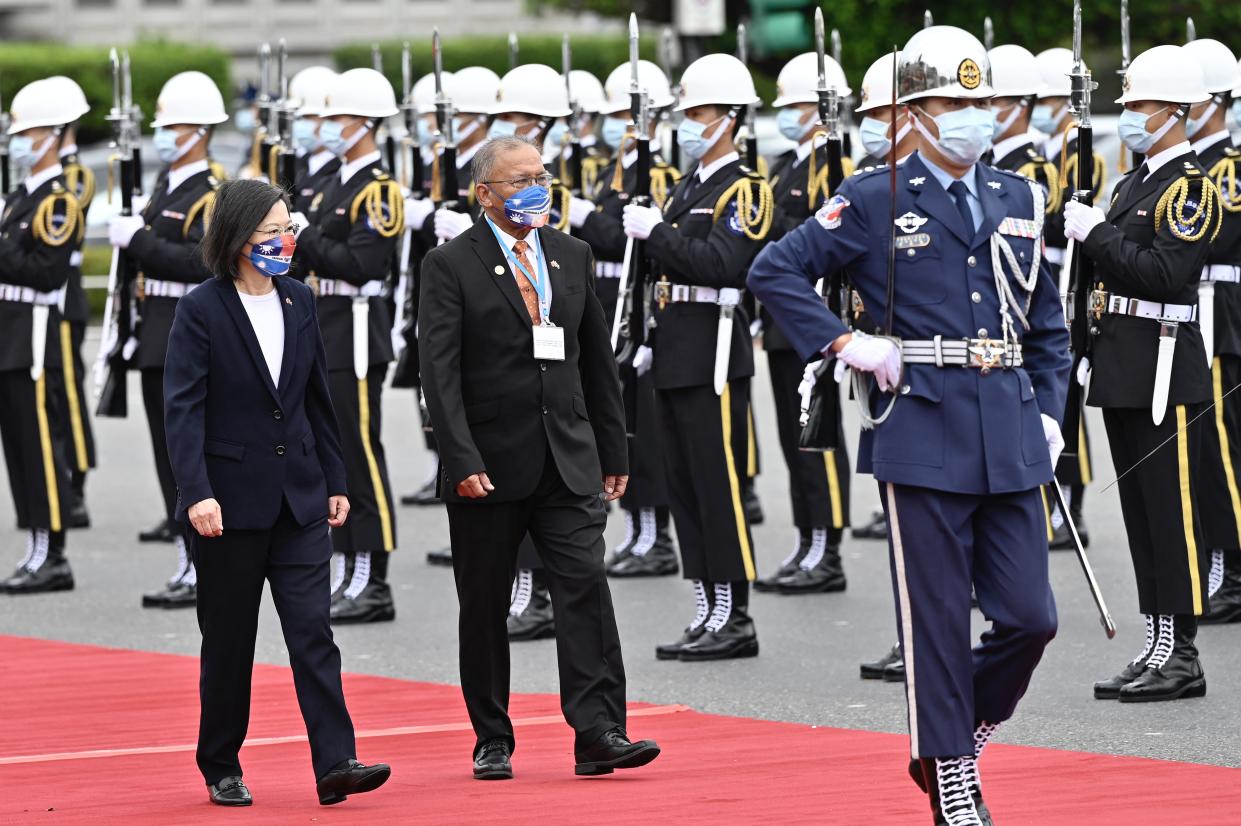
(571, 162)
(5, 179)
(846, 106)
(383, 135)
(667, 51)
(928, 20)
(405, 298)
(748, 134)
(281, 154)
(988, 33)
(629, 327)
(415, 172)
(1126, 55)
(448, 185)
(512, 51)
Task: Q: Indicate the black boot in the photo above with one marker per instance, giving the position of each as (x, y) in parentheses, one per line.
(78, 516)
(158, 599)
(729, 633)
(749, 499)
(1172, 672)
(165, 531)
(1224, 598)
(946, 780)
(1109, 689)
(788, 567)
(875, 670)
(632, 532)
(372, 604)
(653, 554)
(530, 615)
(895, 672)
(696, 628)
(876, 528)
(44, 569)
(821, 571)
(342, 574)
(440, 556)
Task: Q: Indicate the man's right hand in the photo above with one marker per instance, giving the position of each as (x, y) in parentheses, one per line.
(206, 517)
(449, 224)
(873, 354)
(475, 486)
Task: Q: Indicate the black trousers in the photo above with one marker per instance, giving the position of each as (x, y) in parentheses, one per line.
(231, 570)
(568, 532)
(74, 433)
(704, 438)
(1219, 490)
(153, 401)
(648, 483)
(818, 482)
(37, 472)
(1159, 503)
(372, 524)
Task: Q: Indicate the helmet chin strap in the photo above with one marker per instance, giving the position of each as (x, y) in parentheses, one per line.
(1011, 117)
(357, 136)
(48, 143)
(184, 149)
(1206, 117)
(1178, 114)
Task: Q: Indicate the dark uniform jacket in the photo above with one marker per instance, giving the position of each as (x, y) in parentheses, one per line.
(706, 239)
(166, 249)
(80, 180)
(39, 233)
(354, 230)
(1223, 164)
(1142, 251)
(308, 185)
(1054, 228)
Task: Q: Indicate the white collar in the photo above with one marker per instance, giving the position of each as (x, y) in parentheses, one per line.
(587, 141)
(1202, 144)
(181, 174)
(705, 172)
(347, 170)
(532, 245)
(35, 181)
(803, 148)
(1058, 141)
(68, 149)
(1005, 147)
(318, 160)
(1153, 162)
(464, 157)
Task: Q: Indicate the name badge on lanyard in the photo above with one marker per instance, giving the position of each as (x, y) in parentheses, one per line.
(548, 338)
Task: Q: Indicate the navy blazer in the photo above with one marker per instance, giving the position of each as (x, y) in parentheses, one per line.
(235, 436)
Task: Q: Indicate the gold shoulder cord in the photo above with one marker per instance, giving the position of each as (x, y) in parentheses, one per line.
(437, 180)
(217, 170)
(1171, 207)
(561, 192)
(816, 179)
(44, 228)
(1033, 170)
(81, 182)
(1224, 176)
(618, 173)
(663, 178)
(374, 197)
(1100, 173)
(203, 205)
(744, 193)
(273, 163)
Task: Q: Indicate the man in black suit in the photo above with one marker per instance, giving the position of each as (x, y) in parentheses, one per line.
(522, 387)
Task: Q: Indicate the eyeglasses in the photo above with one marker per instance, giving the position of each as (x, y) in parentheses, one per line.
(274, 231)
(521, 183)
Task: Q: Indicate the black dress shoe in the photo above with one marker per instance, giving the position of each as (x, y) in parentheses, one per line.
(350, 777)
(827, 576)
(1109, 689)
(491, 762)
(425, 495)
(53, 575)
(655, 562)
(753, 507)
(895, 672)
(165, 531)
(614, 751)
(372, 604)
(440, 556)
(537, 621)
(78, 516)
(181, 595)
(735, 640)
(1180, 675)
(632, 531)
(874, 670)
(1225, 603)
(876, 528)
(230, 792)
(672, 650)
(787, 568)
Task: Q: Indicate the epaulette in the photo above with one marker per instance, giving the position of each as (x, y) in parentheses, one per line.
(1191, 207)
(1038, 169)
(202, 205)
(749, 204)
(384, 205)
(1034, 157)
(58, 218)
(1224, 176)
(862, 170)
(380, 174)
(664, 176)
(81, 181)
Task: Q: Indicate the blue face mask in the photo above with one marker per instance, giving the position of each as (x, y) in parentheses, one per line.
(1132, 130)
(1235, 111)
(690, 137)
(613, 131)
(332, 136)
(274, 257)
(1195, 125)
(22, 151)
(788, 121)
(244, 120)
(964, 134)
(501, 129)
(304, 134)
(1043, 118)
(529, 207)
(1004, 121)
(557, 136)
(166, 148)
(874, 134)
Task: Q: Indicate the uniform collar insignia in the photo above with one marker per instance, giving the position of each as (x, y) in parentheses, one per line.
(909, 222)
(994, 184)
(918, 181)
(288, 301)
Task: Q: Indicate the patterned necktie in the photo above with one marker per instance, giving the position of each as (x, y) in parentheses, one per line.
(528, 293)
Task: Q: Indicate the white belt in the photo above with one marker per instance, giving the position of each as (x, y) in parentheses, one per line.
(1103, 302)
(29, 295)
(679, 293)
(1222, 272)
(334, 286)
(981, 353)
(1055, 255)
(153, 288)
(609, 269)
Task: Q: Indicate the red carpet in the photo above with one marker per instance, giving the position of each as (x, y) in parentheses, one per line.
(99, 735)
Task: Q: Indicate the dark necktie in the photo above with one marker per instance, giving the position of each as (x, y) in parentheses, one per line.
(961, 195)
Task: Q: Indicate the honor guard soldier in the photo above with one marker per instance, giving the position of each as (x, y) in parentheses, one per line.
(1219, 315)
(818, 482)
(971, 376)
(647, 548)
(1051, 115)
(41, 228)
(1017, 83)
(161, 243)
(316, 166)
(577, 134)
(875, 128)
(701, 356)
(1148, 363)
(345, 248)
(75, 435)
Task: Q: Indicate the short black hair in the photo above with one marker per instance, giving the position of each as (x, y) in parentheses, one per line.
(239, 206)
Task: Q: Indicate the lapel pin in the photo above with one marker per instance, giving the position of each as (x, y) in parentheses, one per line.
(499, 270)
(554, 264)
(919, 181)
(288, 301)
(993, 184)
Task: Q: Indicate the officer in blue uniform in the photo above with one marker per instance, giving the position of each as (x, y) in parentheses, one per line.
(965, 405)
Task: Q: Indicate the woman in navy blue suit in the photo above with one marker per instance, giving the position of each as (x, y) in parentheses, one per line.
(256, 455)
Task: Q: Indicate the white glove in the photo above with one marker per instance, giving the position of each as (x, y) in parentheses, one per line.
(140, 203)
(808, 380)
(643, 360)
(1080, 219)
(872, 354)
(579, 210)
(1083, 372)
(300, 219)
(1055, 441)
(450, 224)
(756, 328)
(416, 212)
(640, 220)
(122, 228)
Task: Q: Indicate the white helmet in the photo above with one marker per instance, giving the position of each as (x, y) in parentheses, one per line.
(42, 103)
(587, 90)
(1166, 73)
(70, 94)
(877, 84)
(473, 90)
(1014, 72)
(1219, 65)
(1236, 90)
(716, 79)
(799, 80)
(423, 93)
(308, 88)
(650, 77)
(534, 88)
(943, 61)
(362, 92)
(1054, 66)
(189, 97)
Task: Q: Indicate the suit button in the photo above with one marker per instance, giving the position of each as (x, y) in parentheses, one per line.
(982, 332)
(279, 450)
(972, 261)
(544, 410)
(976, 297)
(277, 415)
(905, 390)
(542, 367)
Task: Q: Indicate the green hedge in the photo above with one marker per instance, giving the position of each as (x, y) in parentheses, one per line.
(152, 63)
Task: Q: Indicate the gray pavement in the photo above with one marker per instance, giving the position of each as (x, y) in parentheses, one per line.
(811, 645)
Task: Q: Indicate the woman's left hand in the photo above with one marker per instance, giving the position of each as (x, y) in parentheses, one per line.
(337, 510)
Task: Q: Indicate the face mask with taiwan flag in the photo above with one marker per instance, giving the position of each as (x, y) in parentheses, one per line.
(274, 257)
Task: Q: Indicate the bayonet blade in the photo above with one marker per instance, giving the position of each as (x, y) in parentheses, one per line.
(377, 58)
(837, 50)
(819, 49)
(927, 20)
(1077, 36)
(988, 33)
(633, 53)
(1191, 31)
(115, 61)
(1125, 54)
(437, 62)
(512, 50)
(742, 46)
(407, 73)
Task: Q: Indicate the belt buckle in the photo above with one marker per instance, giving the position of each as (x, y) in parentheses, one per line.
(663, 292)
(985, 353)
(1098, 303)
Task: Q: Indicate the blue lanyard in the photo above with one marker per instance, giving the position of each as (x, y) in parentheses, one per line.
(541, 284)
